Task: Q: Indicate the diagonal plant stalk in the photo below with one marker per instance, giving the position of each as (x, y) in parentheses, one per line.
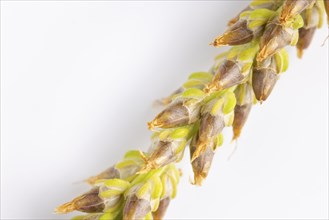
(142, 184)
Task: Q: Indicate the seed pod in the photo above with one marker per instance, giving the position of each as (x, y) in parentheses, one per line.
(312, 19)
(184, 110)
(264, 79)
(235, 68)
(89, 202)
(229, 74)
(136, 208)
(248, 27)
(265, 74)
(244, 97)
(216, 114)
(291, 8)
(277, 36)
(237, 34)
(168, 146)
(305, 38)
(161, 211)
(201, 164)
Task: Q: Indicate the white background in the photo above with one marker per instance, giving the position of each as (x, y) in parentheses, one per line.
(77, 84)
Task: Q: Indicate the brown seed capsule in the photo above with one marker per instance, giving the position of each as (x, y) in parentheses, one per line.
(275, 37)
(136, 208)
(89, 202)
(176, 114)
(264, 78)
(228, 74)
(305, 39)
(164, 152)
(161, 211)
(244, 97)
(291, 8)
(109, 173)
(312, 20)
(241, 113)
(202, 163)
(210, 127)
(237, 34)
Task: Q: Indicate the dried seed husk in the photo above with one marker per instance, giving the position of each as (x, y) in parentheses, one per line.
(264, 78)
(305, 39)
(176, 114)
(277, 36)
(165, 152)
(88, 202)
(249, 26)
(228, 74)
(235, 68)
(291, 8)
(184, 110)
(167, 147)
(237, 34)
(211, 125)
(136, 208)
(202, 162)
(241, 113)
(244, 96)
(312, 19)
(161, 211)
